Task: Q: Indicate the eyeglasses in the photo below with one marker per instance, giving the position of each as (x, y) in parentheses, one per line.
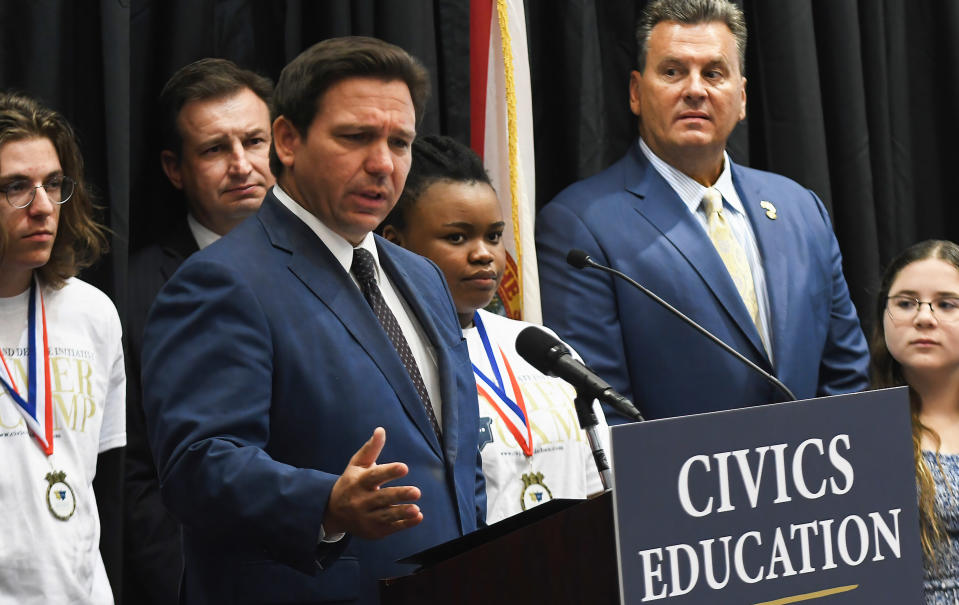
(905, 308)
(21, 194)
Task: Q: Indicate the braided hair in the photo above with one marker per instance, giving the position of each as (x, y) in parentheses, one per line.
(435, 158)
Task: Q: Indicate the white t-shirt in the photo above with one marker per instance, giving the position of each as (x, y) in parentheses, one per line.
(43, 559)
(562, 464)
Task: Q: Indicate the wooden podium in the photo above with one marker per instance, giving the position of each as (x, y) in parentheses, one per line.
(835, 465)
(566, 556)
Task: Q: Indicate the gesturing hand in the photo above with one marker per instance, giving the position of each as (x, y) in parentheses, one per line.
(360, 506)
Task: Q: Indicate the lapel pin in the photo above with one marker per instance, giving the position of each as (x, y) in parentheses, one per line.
(769, 208)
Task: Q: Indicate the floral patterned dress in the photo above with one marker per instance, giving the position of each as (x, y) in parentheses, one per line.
(941, 581)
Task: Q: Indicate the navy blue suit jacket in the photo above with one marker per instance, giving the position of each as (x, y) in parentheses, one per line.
(264, 371)
(628, 217)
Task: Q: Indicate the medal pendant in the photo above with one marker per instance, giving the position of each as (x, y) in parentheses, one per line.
(61, 500)
(534, 491)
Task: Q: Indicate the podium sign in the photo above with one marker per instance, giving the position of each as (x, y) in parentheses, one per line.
(811, 501)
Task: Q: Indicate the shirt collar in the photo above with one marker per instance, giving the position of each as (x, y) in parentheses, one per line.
(203, 236)
(690, 191)
(342, 250)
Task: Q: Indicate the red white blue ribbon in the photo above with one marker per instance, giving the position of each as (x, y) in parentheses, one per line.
(511, 409)
(37, 408)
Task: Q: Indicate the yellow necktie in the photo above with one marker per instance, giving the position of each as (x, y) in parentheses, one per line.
(730, 250)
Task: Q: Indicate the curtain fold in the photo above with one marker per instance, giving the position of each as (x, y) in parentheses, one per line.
(845, 96)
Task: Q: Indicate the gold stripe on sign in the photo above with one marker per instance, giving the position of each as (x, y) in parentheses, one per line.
(811, 595)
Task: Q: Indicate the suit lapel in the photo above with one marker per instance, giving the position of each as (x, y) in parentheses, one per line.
(318, 269)
(769, 238)
(663, 208)
(441, 346)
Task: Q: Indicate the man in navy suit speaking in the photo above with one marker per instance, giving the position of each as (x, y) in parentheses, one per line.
(307, 389)
(749, 255)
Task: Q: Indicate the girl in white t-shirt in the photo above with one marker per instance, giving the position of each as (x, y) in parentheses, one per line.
(532, 447)
(61, 365)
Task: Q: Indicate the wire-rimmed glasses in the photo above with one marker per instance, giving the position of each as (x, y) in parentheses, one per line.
(903, 308)
(20, 193)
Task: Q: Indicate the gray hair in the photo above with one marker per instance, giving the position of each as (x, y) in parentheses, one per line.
(691, 12)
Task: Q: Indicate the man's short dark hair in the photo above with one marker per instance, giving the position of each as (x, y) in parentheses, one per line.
(305, 80)
(691, 12)
(201, 80)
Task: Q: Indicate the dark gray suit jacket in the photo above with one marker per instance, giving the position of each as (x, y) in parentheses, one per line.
(152, 546)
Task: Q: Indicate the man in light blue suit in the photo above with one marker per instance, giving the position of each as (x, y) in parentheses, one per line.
(307, 389)
(759, 267)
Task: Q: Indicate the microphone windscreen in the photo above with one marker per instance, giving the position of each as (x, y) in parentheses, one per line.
(578, 258)
(539, 348)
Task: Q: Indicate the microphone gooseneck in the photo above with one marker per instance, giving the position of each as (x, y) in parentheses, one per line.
(549, 355)
(580, 260)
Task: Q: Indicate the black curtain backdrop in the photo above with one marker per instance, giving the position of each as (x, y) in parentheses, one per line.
(74, 57)
(844, 96)
(265, 35)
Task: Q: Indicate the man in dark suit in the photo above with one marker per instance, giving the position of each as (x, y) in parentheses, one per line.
(300, 367)
(215, 120)
(748, 254)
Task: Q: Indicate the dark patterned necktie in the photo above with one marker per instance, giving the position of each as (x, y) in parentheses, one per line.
(364, 268)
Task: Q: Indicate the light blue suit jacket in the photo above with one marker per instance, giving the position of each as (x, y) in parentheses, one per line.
(264, 371)
(628, 217)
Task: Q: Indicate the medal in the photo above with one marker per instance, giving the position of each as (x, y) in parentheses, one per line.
(37, 408)
(61, 500)
(534, 491)
(512, 410)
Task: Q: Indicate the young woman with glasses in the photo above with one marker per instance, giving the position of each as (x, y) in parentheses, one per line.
(915, 342)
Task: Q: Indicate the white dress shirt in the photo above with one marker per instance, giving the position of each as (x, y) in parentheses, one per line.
(691, 193)
(419, 343)
(203, 236)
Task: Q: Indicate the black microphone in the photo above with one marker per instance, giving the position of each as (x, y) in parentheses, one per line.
(549, 355)
(581, 260)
